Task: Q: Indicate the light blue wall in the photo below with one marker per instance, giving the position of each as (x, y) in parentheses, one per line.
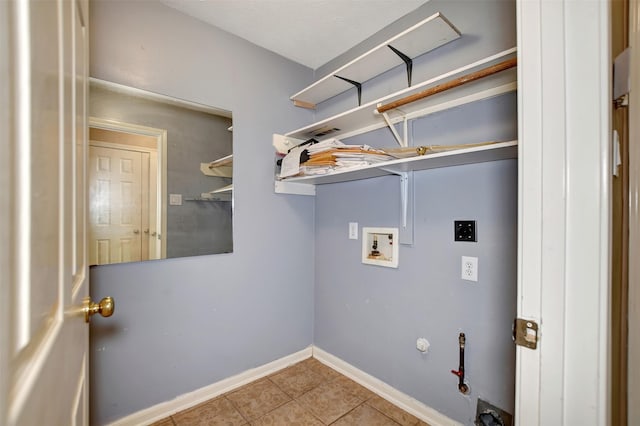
(371, 316)
(186, 323)
(182, 324)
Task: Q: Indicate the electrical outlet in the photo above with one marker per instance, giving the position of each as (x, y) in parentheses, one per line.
(175, 199)
(469, 268)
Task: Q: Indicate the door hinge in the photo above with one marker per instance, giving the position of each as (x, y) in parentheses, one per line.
(525, 333)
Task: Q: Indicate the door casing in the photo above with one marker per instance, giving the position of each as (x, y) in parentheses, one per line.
(564, 108)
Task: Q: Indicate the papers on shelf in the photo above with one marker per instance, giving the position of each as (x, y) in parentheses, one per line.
(414, 151)
(327, 156)
(291, 162)
(332, 155)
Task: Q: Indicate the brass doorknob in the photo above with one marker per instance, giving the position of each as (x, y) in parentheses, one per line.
(104, 308)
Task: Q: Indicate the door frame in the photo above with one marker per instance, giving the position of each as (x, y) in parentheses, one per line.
(161, 145)
(634, 219)
(564, 109)
(5, 207)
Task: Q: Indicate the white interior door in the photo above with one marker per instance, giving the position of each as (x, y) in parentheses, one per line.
(119, 202)
(564, 106)
(43, 335)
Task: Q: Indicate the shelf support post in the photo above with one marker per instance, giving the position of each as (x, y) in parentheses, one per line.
(406, 204)
(405, 131)
(355, 83)
(404, 196)
(407, 60)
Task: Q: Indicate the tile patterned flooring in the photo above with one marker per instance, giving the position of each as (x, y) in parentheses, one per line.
(306, 393)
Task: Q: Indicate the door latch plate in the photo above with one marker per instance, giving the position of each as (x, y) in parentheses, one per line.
(525, 333)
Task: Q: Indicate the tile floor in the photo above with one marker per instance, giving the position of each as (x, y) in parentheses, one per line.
(306, 393)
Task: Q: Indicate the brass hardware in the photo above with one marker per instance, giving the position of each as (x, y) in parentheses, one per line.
(525, 333)
(146, 231)
(104, 308)
(136, 231)
(153, 234)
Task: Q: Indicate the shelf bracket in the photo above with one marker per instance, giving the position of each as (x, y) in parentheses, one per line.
(355, 83)
(406, 191)
(407, 60)
(404, 196)
(402, 141)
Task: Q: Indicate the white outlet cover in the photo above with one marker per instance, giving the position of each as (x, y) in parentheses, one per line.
(175, 199)
(469, 268)
(353, 230)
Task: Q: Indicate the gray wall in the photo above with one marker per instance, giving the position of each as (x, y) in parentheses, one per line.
(182, 324)
(193, 137)
(371, 316)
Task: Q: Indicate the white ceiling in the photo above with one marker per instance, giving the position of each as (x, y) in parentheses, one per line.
(310, 32)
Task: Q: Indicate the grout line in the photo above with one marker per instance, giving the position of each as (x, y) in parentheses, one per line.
(233, 404)
(305, 368)
(388, 416)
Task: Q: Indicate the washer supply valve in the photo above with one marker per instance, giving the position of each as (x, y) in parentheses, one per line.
(462, 387)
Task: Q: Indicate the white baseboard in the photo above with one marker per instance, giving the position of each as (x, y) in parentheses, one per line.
(188, 400)
(402, 400)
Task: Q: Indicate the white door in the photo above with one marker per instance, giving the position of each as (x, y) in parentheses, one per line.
(118, 204)
(43, 334)
(564, 179)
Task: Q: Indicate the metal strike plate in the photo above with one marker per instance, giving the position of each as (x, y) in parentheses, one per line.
(525, 333)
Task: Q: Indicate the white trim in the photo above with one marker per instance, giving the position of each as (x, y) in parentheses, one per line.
(402, 400)
(588, 179)
(145, 94)
(188, 400)
(564, 189)
(122, 147)
(191, 399)
(22, 158)
(7, 125)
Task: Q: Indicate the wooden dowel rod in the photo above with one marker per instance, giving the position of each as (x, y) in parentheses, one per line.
(509, 63)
